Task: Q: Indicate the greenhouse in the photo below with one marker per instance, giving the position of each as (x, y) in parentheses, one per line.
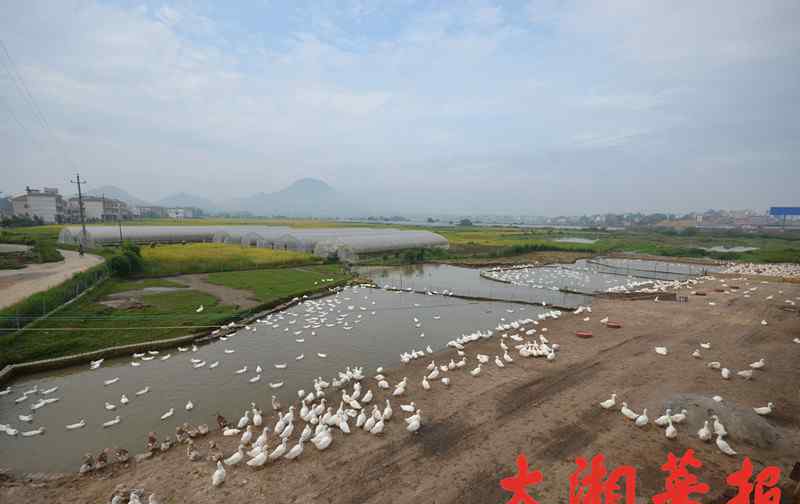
(323, 242)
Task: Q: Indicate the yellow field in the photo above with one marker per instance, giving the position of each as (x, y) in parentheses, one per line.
(211, 257)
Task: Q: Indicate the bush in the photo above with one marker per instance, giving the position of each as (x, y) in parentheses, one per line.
(120, 265)
(43, 252)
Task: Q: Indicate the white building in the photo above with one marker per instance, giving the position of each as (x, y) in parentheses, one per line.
(98, 208)
(46, 204)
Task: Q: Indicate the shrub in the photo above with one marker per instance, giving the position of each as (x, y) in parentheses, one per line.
(120, 265)
(43, 252)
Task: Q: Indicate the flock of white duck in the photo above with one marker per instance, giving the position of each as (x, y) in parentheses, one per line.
(362, 406)
(320, 420)
(669, 419)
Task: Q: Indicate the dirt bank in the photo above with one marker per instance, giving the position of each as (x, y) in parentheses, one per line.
(242, 298)
(548, 410)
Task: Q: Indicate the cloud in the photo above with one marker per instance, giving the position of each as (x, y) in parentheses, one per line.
(446, 101)
(168, 16)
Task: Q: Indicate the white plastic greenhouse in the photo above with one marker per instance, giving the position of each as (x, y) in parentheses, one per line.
(323, 242)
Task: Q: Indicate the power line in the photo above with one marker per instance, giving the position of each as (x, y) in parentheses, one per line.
(22, 87)
(20, 123)
(24, 90)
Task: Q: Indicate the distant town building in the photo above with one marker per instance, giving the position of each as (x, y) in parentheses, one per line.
(160, 212)
(6, 208)
(151, 212)
(98, 208)
(45, 203)
(183, 213)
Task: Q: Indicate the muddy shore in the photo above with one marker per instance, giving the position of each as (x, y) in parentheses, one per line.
(474, 429)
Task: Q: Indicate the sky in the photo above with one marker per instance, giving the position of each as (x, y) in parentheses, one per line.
(540, 107)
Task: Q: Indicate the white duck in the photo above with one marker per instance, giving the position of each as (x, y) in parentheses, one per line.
(259, 459)
(642, 419)
(218, 477)
(236, 457)
(627, 412)
(609, 403)
(704, 433)
(377, 428)
(279, 451)
(764, 410)
(671, 431)
(664, 419)
(244, 421)
(719, 429)
(295, 452)
(78, 425)
(414, 422)
(679, 417)
(723, 446)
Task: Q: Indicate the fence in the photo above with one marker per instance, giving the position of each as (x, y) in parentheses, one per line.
(38, 305)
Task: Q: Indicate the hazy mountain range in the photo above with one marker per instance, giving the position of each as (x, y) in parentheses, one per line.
(306, 197)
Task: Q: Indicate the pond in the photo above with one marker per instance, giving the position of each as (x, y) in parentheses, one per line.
(534, 284)
(356, 327)
(466, 282)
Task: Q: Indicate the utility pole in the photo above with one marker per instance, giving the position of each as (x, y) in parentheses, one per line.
(80, 208)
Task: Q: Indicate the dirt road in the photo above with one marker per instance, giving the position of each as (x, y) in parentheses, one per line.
(16, 285)
(549, 411)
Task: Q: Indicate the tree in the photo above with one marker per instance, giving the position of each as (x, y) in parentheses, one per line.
(465, 222)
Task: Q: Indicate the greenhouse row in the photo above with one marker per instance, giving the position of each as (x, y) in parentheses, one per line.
(323, 242)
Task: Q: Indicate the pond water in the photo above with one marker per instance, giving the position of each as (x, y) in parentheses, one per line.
(356, 327)
(466, 282)
(534, 284)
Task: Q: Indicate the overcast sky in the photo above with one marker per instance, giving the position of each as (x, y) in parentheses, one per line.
(540, 107)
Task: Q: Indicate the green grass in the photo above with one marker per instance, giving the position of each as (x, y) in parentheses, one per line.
(275, 284)
(503, 242)
(166, 260)
(165, 315)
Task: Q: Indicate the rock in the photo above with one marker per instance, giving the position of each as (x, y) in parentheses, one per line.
(742, 423)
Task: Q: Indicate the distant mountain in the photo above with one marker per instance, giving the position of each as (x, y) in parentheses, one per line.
(306, 197)
(183, 199)
(110, 191)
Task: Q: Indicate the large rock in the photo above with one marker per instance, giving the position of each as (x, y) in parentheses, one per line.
(742, 423)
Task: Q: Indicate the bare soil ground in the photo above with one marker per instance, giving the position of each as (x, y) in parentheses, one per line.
(549, 411)
(242, 298)
(16, 285)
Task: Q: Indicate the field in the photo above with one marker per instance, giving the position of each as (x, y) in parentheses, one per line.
(88, 325)
(164, 260)
(271, 285)
(486, 244)
(505, 242)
